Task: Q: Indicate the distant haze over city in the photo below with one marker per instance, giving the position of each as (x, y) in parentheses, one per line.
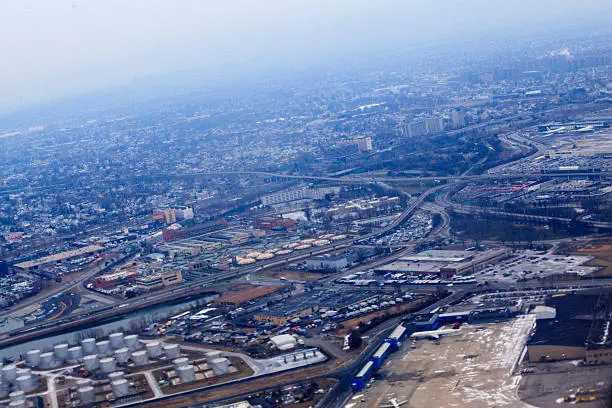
(57, 49)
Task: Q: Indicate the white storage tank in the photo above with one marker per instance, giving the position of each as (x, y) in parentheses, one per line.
(172, 351)
(132, 342)
(122, 355)
(211, 355)
(27, 383)
(154, 349)
(181, 361)
(87, 395)
(17, 395)
(4, 389)
(103, 347)
(47, 360)
(89, 346)
(75, 354)
(23, 371)
(33, 358)
(108, 365)
(17, 404)
(140, 357)
(91, 362)
(116, 375)
(219, 366)
(116, 340)
(61, 352)
(120, 388)
(9, 373)
(84, 382)
(186, 373)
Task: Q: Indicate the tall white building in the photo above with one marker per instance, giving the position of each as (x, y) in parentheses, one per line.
(457, 118)
(434, 125)
(364, 144)
(298, 194)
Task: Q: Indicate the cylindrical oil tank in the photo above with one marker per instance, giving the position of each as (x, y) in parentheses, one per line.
(122, 355)
(87, 395)
(84, 382)
(89, 346)
(27, 383)
(61, 352)
(23, 371)
(103, 347)
(140, 357)
(17, 395)
(211, 355)
(181, 361)
(91, 362)
(9, 373)
(154, 349)
(172, 351)
(186, 373)
(120, 388)
(33, 358)
(17, 404)
(4, 389)
(116, 340)
(75, 353)
(116, 375)
(47, 360)
(132, 342)
(219, 366)
(108, 365)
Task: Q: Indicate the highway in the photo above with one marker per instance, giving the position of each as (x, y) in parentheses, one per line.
(526, 217)
(386, 179)
(71, 285)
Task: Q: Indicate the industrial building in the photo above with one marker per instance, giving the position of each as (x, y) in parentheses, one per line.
(246, 294)
(58, 258)
(159, 280)
(579, 328)
(299, 194)
(443, 262)
(290, 309)
(332, 263)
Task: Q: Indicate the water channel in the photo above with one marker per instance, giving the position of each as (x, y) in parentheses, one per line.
(125, 323)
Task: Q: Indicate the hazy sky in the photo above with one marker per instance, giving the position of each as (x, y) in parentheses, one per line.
(55, 48)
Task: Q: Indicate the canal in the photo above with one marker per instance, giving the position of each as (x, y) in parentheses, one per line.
(130, 322)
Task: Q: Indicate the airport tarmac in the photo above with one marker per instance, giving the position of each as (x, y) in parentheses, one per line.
(472, 368)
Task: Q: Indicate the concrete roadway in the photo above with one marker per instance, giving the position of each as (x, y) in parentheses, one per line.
(72, 285)
(371, 179)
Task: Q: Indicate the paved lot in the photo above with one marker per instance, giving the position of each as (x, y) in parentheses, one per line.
(472, 368)
(547, 389)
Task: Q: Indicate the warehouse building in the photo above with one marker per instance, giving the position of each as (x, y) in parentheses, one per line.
(443, 262)
(322, 301)
(563, 335)
(244, 295)
(58, 258)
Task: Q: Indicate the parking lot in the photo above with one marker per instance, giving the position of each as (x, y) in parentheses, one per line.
(533, 265)
(553, 382)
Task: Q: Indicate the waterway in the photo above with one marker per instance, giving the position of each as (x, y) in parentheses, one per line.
(128, 323)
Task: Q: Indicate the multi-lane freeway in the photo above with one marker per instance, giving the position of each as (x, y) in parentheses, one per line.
(385, 179)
